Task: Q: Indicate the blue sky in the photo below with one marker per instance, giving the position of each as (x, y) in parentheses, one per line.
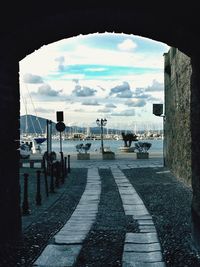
(114, 76)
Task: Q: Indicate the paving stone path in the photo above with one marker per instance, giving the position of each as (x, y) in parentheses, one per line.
(67, 242)
(141, 249)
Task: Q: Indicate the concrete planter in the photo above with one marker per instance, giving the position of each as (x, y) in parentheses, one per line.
(108, 156)
(83, 156)
(127, 149)
(142, 155)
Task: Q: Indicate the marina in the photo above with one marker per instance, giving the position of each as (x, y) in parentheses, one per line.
(69, 146)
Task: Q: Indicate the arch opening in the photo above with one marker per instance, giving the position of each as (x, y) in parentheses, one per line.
(109, 75)
(26, 43)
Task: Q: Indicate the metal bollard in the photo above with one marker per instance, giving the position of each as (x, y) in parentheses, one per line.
(52, 181)
(31, 163)
(25, 205)
(38, 197)
(57, 173)
(69, 169)
(46, 181)
(65, 166)
(62, 169)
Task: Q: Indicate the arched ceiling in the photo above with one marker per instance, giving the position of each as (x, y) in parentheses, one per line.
(25, 28)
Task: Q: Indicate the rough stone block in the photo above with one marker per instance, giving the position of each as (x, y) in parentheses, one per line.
(144, 155)
(141, 238)
(142, 247)
(145, 222)
(144, 264)
(83, 156)
(142, 257)
(58, 256)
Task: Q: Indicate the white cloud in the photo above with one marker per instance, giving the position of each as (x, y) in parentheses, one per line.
(121, 91)
(87, 55)
(104, 110)
(127, 112)
(61, 61)
(50, 67)
(79, 110)
(155, 86)
(46, 90)
(110, 105)
(135, 103)
(90, 102)
(83, 91)
(31, 78)
(127, 45)
(44, 110)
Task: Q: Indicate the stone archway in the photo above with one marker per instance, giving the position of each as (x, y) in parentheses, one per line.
(28, 28)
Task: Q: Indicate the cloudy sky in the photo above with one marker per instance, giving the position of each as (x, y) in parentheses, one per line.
(112, 76)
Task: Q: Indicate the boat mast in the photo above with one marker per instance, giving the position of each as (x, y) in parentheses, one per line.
(26, 116)
(35, 110)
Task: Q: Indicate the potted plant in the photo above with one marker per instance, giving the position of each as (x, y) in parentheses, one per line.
(82, 151)
(142, 148)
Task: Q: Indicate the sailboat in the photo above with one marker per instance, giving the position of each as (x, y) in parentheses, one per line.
(34, 141)
(40, 140)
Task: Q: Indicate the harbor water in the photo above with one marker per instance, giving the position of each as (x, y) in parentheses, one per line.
(69, 146)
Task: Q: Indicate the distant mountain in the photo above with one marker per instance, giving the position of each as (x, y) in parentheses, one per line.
(33, 126)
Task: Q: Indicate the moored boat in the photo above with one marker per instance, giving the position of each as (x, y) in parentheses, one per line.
(25, 150)
(40, 140)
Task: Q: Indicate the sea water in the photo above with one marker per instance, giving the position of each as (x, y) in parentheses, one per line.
(69, 146)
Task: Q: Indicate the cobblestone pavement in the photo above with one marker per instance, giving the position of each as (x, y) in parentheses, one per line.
(124, 212)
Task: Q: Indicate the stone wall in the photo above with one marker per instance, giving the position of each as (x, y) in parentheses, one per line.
(10, 223)
(177, 142)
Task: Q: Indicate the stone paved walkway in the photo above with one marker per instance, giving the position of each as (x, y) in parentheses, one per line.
(140, 249)
(143, 248)
(67, 242)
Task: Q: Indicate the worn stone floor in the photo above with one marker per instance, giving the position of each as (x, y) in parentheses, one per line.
(140, 249)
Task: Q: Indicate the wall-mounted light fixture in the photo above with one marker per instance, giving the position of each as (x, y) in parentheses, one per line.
(158, 110)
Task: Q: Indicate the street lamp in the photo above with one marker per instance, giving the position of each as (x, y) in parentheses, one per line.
(101, 123)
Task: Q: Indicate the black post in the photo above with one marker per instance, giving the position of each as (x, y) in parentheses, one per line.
(52, 180)
(50, 136)
(69, 169)
(25, 205)
(46, 181)
(101, 123)
(65, 166)
(49, 143)
(102, 149)
(57, 173)
(38, 197)
(47, 125)
(60, 142)
(62, 168)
